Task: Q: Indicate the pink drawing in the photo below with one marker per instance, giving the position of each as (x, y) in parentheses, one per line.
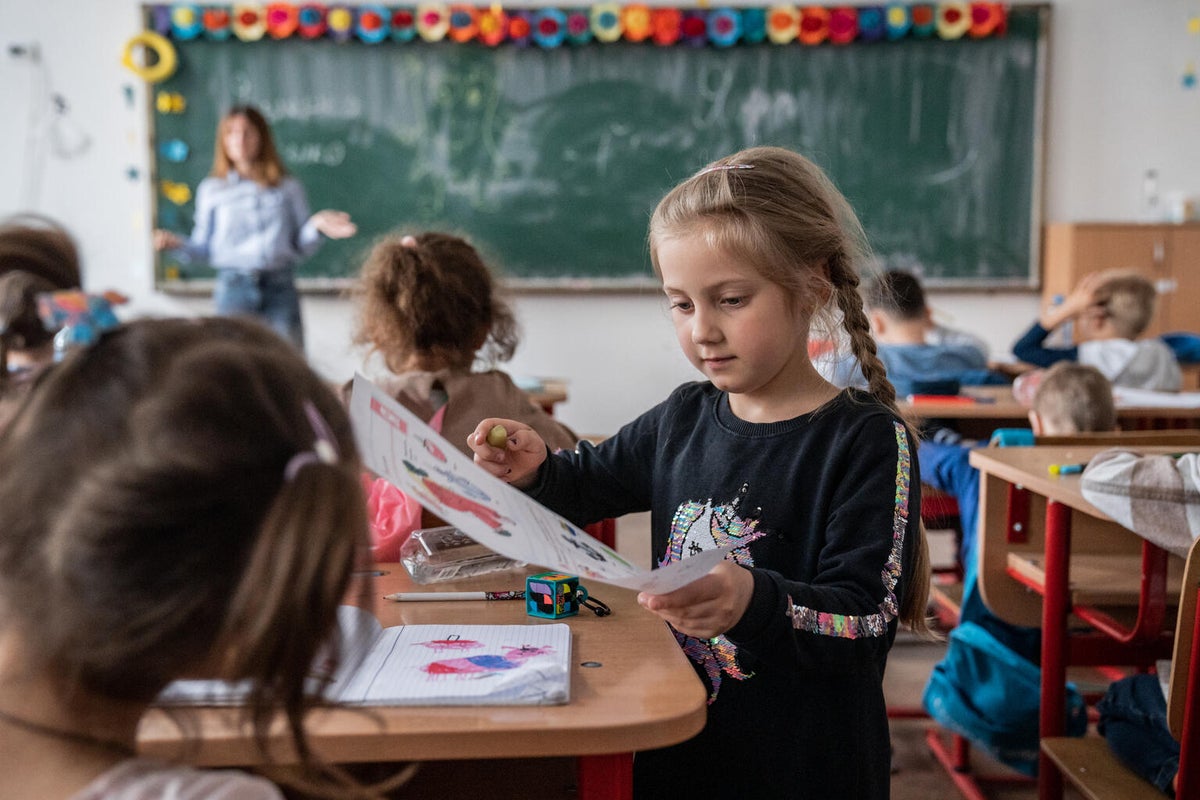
(484, 665)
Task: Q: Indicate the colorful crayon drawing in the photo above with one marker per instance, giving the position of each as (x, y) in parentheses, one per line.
(452, 642)
(435, 451)
(449, 498)
(482, 666)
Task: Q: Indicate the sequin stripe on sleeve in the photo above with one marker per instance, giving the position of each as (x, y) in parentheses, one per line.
(847, 626)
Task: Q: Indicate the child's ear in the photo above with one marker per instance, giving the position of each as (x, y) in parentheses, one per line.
(878, 321)
(1035, 422)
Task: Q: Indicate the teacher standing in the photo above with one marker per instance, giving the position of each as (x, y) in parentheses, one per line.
(253, 226)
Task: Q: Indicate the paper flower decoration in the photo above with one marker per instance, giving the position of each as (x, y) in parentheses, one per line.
(953, 20)
(340, 20)
(404, 24)
(216, 23)
(724, 27)
(695, 28)
(897, 21)
(986, 19)
(870, 23)
(549, 27)
(924, 21)
(520, 28)
(754, 25)
(843, 25)
(160, 20)
(606, 21)
(464, 23)
(783, 23)
(249, 23)
(282, 20)
(493, 26)
(311, 21)
(433, 21)
(579, 27)
(814, 25)
(635, 20)
(186, 22)
(373, 24)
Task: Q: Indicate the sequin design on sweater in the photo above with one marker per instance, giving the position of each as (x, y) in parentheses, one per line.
(848, 626)
(697, 527)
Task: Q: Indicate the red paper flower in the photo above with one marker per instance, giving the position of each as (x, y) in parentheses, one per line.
(312, 21)
(282, 20)
(464, 23)
(667, 24)
(814, 25)
(783, 24)
(493, 26)
(986, 19)
(843, 25)
(953, 20)
(635, 20)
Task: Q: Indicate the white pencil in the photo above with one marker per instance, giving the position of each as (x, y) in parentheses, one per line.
(438, 596)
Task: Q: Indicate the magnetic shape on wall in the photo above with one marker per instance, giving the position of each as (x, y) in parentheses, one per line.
(132, 174)
(1193, 26)
(186, 22)
(174, 150)
(177, 193)
(1189, 76)
(170, 103)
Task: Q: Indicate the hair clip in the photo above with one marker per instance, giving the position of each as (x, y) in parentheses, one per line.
(723, 168)
(324, 449)
(408, 241)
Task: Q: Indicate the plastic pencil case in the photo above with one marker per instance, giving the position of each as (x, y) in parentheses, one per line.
(432, 555)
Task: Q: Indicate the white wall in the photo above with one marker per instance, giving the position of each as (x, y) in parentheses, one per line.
(1115, 108)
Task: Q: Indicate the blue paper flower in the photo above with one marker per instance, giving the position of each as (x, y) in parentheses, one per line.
(754, 25)
(724, 26)
(549, 27)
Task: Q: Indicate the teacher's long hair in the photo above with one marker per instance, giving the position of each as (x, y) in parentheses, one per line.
(268, 168)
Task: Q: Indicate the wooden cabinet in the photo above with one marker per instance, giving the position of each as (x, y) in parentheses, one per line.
(1167, 254)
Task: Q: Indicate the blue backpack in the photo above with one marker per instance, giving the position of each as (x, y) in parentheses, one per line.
(990, 694)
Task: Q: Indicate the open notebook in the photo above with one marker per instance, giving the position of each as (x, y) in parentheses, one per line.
(428, 665)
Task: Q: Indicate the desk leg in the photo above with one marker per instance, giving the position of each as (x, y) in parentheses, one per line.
(1055, 606)
(606, 777)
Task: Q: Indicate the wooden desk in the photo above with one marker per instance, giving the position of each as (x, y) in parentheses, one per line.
(999, 409)
(1027, 522)
(642, 694)
(549, 393)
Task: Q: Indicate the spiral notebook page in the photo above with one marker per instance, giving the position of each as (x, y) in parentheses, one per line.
(464, 665)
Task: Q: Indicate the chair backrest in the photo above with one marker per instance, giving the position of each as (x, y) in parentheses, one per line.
(1184, 626)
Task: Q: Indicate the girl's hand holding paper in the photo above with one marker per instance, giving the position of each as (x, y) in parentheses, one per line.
(707, 607)
(515, 462)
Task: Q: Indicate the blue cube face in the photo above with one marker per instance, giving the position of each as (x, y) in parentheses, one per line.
(552, 595)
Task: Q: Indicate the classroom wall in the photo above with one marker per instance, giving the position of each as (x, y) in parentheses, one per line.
(1115, 108)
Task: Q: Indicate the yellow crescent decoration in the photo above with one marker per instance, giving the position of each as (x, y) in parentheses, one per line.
(162, 68)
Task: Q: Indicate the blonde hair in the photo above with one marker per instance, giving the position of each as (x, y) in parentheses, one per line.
(775, 209)
(433, 298)
(267, 168)
(1075, 398)
(1128, 300)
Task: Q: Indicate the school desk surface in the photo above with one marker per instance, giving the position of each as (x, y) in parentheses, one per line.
(638, 691)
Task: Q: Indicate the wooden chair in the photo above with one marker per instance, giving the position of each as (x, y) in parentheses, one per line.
(1091, 767)
(1113, 580)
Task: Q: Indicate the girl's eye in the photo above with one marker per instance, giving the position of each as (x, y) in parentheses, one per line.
(733, 301)
(681, 305)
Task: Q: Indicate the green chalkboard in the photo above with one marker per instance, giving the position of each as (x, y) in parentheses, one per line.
(552, 160)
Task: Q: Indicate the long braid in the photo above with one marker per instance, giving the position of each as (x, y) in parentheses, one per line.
(913, 609)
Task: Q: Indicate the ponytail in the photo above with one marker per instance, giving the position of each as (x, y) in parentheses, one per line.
(914, 605)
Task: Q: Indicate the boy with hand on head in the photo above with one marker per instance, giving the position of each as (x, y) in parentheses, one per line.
(1109, 311)
(1071, 399)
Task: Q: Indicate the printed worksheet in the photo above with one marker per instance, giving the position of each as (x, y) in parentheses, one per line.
(405, 451)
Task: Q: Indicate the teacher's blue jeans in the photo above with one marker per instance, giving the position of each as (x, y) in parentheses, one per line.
(269, 295)
(1133, 718)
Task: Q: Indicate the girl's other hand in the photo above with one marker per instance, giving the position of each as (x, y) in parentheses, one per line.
(706, 607)
(165, 240)
(518, 460)
(334, 224)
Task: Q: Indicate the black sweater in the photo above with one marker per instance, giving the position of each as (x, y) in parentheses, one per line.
(827, 512)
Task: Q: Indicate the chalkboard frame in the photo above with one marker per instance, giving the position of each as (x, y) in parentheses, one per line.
(312, 284)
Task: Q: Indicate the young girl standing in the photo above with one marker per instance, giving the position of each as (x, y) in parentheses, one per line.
(816, 487)
(430, 307)
(194, 509)
(253, 225)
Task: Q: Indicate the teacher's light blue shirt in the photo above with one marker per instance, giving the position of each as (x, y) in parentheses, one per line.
(241, 224)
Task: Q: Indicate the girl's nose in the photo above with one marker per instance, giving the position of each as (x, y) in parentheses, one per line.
(704, 327)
